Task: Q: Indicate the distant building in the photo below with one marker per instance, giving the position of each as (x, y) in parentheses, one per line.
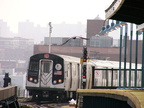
(54, 40)
(4, 29)
(16, 43)
(74, 42)
(93, 27)
(116, 43)
(61, 40)
(101, 41)
(28, 30)
(15, 53)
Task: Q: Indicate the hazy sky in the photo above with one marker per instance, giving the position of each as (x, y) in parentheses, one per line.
(55, 11)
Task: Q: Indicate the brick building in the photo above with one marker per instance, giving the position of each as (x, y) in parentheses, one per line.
(104, 53)
(93, 27)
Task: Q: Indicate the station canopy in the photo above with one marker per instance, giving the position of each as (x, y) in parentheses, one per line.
(126, 10)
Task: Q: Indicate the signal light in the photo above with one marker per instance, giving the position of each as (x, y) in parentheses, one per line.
(84, 76)
(84, 54)
(84, 60)
(84, 67)
(84, 71)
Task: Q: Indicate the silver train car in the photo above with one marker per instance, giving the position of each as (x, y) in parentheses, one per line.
(54, 77)
(57, 77)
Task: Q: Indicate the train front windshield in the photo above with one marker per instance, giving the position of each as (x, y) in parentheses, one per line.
(33, 71)
(34, 66)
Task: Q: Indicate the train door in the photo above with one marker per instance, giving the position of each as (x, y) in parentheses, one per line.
(46, 73)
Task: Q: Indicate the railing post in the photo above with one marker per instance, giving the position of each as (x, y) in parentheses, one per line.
(106, 77)
(130, 66)
(112, 78)
(142, 81)
(93, 69)
(136, 60)
(125, 54)
(120, 55)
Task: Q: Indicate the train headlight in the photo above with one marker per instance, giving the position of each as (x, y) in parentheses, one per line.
(35, 80)
(30, 79)
(59, 80)
(54, 81)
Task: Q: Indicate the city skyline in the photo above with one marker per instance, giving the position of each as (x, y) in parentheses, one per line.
(28, 30)
(42, 12)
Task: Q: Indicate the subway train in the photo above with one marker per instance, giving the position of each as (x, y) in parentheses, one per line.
(53, 77)
(56, 77)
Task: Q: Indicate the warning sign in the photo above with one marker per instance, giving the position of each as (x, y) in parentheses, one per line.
(97, 73)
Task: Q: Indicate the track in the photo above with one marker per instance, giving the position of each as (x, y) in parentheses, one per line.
(26, 103)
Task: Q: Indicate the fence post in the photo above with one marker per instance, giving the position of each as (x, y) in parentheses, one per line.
(112, 78)
(107, 77)
(93, 69)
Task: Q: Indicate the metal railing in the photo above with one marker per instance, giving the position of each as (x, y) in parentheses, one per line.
(116, 78)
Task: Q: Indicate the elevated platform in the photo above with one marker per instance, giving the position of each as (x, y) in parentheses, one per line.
(115, 97)
(7, 92)
(8, 97)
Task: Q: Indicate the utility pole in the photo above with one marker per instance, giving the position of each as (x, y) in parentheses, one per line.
(50, 31)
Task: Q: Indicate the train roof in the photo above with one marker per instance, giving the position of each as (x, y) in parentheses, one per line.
(101, 63)
(114, 64)
(69, 58)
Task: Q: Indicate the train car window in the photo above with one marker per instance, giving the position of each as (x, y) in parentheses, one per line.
(74, 69)
(67, 69)
(71, 68)
(34, 66)
(78, 73)
(70, 75)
